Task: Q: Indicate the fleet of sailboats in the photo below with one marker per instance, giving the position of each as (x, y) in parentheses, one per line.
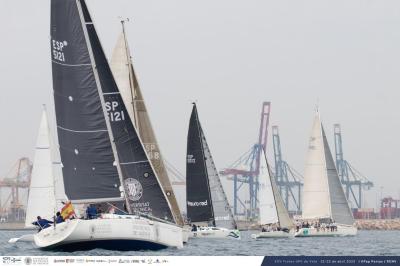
(110, 157)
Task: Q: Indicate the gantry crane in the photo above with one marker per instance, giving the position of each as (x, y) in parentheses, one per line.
(352, 180)
(12, 209)
(244, 171)
(288, 179)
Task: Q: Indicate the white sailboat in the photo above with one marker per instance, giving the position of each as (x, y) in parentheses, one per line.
(41, 198)
(273, 214)
(97, 167)
(324, 203)
(208, 209)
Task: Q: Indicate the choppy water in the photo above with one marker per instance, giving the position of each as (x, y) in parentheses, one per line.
(379, 243)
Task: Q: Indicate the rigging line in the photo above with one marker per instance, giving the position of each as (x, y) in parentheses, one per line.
(134, 162)
(82, 131)
(70, 65)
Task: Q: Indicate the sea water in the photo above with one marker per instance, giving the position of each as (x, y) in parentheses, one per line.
(366, 243)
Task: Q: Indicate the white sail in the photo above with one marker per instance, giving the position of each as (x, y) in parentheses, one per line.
(268, 211)
(41, 199)
(323, 192)
(223, 215)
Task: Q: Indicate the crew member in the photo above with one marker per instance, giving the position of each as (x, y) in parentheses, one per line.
(42, 223)
(59, 218)
(91, 212)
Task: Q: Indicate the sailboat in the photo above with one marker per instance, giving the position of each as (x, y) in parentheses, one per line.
(124, 74)
(207, 206)
(103, 158)
(273, 213)
(41, 197)
(324, 201)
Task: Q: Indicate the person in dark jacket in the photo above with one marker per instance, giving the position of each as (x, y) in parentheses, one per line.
(91, 212)
(59, 218)
(42, 223)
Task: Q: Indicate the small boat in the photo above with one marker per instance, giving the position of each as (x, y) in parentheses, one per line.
(324, 201)
(103, 159)
(272, 208)
(208, 209)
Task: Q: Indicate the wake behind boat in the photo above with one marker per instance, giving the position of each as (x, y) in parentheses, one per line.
(274, 218)
(207, 206)
(103, 158)
(326, 211)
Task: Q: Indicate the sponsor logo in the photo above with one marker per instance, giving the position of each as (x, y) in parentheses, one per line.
(191, 159)
(234, 234)
(28, 260)
(222, 218)
(134, 189)
(197, 203)
(11, 260)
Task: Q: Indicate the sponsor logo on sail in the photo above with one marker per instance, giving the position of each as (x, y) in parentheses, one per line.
(197, 203)
(134, 189)
(191, 159)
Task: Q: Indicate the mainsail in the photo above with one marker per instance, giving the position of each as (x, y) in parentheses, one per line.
(206, 199)
(100, 149)
(124, 74)
(272, 207)
(41, 199)
(323, 192)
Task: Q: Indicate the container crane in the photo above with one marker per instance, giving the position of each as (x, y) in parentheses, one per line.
(244, 171)
(352, 180)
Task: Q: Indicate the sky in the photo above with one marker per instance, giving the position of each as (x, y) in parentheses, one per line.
(229, 56)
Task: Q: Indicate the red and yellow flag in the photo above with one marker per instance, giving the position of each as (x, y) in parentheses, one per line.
(67, 211)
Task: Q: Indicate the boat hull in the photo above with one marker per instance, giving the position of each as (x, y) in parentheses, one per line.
(118, 233)
(215, 232)
(273, 234)
(342, 230)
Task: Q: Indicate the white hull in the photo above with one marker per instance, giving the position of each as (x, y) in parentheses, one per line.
(273, 234)
(125, 232)
(215, 232)
(185, 234)
(342, 230)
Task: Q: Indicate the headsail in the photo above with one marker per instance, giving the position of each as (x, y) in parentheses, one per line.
(206, 199)
(323, 193)
(41, 199)
(100, 147)
(222, 212)
(268, 211)
(124, 74)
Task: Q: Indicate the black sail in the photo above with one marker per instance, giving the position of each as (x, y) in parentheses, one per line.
(141, 184)
(198, 196)
(85, 147)
(96, 136)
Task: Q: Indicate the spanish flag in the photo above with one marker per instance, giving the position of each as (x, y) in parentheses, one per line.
(67, 211)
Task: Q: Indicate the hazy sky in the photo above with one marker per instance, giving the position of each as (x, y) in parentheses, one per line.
(230, 56)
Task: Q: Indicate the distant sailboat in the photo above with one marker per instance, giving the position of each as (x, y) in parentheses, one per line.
(207, 206)
(324, 201)
(41, 198)
(103, 158)
(273, 212)
(125, 77)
